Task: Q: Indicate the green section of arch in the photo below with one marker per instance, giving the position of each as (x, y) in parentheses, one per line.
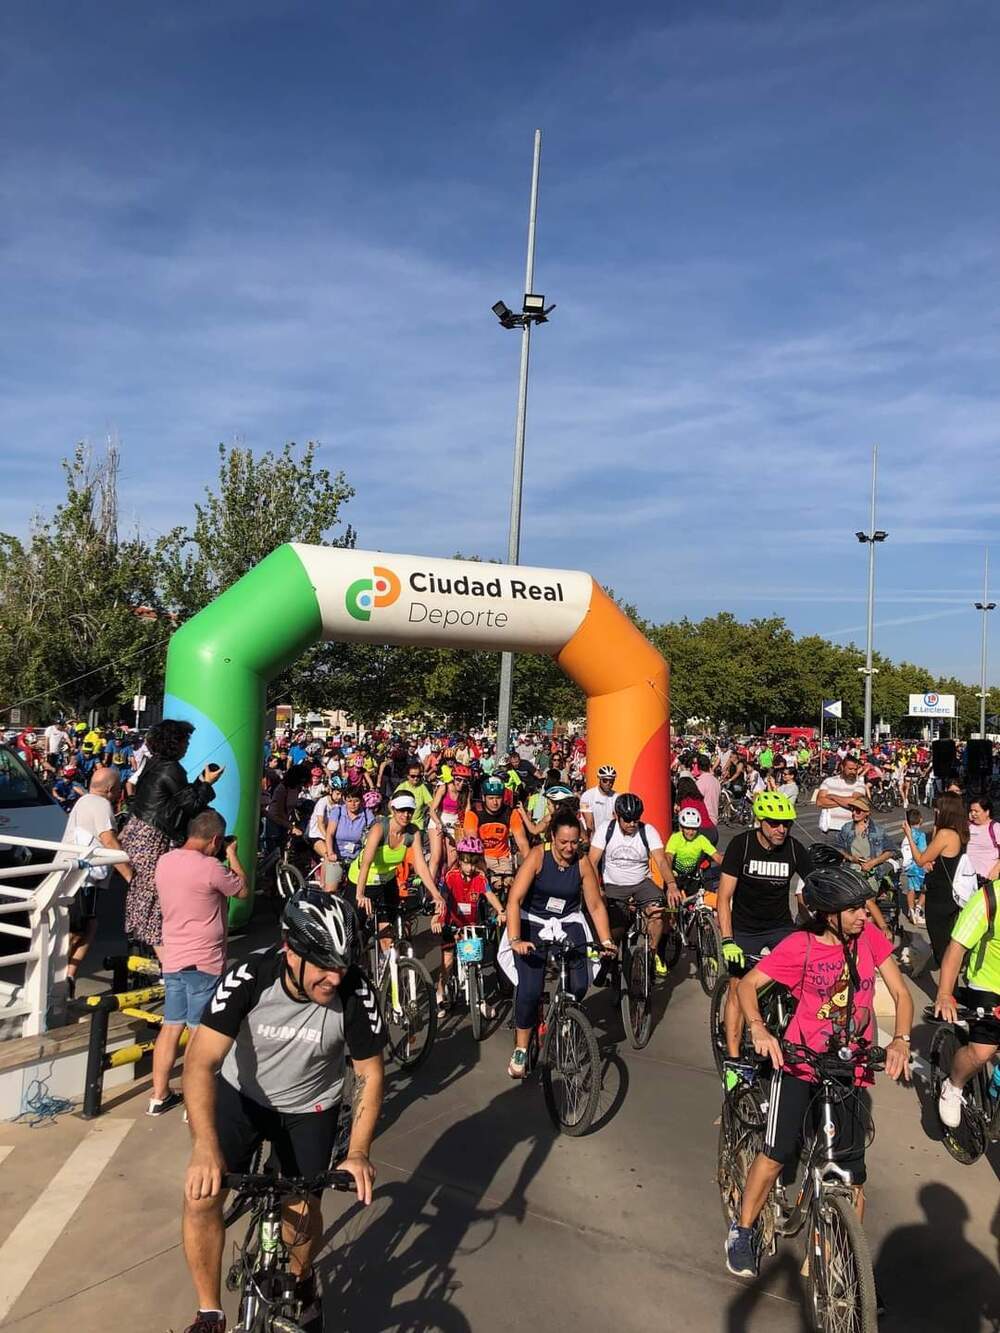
(218, 668)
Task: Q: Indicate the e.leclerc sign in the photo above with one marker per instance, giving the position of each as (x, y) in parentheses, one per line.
(932, 704)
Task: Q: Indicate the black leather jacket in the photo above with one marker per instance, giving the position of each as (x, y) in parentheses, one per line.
(165, 798)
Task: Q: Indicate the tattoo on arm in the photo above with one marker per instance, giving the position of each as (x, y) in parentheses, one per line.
(358, 1093)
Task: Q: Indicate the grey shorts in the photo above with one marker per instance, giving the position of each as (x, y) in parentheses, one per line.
(645, 892)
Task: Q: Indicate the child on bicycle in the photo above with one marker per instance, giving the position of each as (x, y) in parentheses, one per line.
(465, 886)
(915, 874)
(688, 849)
(829, 965)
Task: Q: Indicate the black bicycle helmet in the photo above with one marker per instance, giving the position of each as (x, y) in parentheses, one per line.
(835, 889)
(321, 928)
(822, 854)
(629, 807)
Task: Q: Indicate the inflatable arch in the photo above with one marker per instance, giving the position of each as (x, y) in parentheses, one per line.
(220, 661)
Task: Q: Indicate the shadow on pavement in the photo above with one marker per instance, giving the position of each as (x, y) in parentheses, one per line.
(417, 1226)
(784, 1272)
(958, 1287)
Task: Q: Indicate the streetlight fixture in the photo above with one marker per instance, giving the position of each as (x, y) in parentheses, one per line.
(533, 311)
(985, 606)
(873, 536)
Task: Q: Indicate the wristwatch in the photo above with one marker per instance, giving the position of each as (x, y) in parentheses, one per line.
(902, 1036)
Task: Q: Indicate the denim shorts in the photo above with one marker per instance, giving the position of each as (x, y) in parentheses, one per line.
(185, 995)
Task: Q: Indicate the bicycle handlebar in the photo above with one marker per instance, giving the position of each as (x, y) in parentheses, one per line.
(843, 1061)
(966, 1013)
(268, 1182)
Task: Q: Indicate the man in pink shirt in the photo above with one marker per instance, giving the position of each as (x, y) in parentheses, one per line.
(194, 889)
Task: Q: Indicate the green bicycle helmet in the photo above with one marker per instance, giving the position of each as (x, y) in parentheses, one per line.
(493, 787)
(772, 805)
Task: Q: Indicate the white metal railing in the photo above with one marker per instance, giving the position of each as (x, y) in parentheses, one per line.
(27, 1005)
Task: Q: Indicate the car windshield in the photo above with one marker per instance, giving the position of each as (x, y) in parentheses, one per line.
(18, 785)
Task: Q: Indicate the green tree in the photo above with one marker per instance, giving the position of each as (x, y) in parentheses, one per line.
(81, 609)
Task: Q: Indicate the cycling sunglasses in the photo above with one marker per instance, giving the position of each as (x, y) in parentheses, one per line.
(778, 823)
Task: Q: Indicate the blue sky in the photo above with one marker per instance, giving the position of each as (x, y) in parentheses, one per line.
(770, 231)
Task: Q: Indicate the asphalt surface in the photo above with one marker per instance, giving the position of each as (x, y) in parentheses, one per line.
(485, 1219)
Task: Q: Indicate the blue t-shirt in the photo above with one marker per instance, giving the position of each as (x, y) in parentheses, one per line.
(914, 873)
(297, 754)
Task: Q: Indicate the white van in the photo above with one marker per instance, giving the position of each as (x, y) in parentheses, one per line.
(26, 809)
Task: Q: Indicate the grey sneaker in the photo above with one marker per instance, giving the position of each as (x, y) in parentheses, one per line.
(518, 1066)
(742, 1255)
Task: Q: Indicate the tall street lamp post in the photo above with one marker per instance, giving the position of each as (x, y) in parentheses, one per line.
(873, 536)
(533, 311)
(985, 606)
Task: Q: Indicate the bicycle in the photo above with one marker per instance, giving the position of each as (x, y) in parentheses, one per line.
(466, 976)
(693, 926)
(886, 795)
(635, 974)
(735, 811)
(776, 1009)
(980, 1123)
(260, 1271)
(841, 1282)
(403, 984)
(563, 1046)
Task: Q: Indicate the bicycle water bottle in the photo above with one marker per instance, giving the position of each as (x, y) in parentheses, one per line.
(995, 1082)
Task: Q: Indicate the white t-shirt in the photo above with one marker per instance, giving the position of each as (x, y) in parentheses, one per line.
(602, 806)
(626, 861)
(833, 819)
(55, 740)
(90, 817)
(317, 821)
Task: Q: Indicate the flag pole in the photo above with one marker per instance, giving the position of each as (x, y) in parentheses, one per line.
(822, 710)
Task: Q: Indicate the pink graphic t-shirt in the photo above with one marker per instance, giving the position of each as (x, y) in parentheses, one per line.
(816, 974)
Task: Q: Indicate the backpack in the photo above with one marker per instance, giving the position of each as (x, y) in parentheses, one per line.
(612, 825)
(964, 880)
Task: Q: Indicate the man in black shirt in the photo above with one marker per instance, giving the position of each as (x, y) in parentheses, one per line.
(754, 888)
(268, 1062)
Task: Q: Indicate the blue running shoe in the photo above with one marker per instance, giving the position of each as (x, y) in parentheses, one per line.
(742, 1253)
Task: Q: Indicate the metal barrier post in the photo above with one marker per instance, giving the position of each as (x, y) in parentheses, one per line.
(93, 1087)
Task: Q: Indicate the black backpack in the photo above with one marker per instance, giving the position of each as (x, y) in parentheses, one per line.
(612, 825)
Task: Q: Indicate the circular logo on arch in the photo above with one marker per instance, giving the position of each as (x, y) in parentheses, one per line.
(932, 699)
(371, 594)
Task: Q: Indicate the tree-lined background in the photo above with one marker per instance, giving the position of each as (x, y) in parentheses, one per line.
(86, 612)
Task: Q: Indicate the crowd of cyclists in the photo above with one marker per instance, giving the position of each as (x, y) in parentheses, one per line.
(517, 852)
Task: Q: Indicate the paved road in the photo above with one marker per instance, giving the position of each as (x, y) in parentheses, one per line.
(486, 1220)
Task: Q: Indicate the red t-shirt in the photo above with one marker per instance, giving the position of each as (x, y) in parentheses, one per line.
(462, 897)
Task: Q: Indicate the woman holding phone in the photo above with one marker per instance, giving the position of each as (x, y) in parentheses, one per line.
(163, 804)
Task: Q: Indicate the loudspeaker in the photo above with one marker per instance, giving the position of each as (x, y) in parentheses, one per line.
(943, 758)
(979, 758)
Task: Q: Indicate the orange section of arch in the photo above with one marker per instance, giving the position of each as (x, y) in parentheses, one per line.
(627, 684)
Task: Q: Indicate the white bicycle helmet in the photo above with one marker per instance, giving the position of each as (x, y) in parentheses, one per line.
(689, 817)
(607, 771)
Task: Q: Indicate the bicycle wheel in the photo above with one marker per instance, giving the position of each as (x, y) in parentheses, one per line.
(475, 1000)
(636, 987)
(411, 1014)
(671, 943)
(288, 879)
(968, 1140)
(709, 944)
(841, 1281)
(571, 1071)
(740, 1140)
(716, 1022)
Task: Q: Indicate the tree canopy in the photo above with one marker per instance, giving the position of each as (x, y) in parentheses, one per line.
(86, 613)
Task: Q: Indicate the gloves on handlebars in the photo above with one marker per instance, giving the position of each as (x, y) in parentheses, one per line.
(732, 953)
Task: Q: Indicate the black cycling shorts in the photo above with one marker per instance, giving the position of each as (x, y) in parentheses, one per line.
(82, 908)
(982, 1031)
(303, 1144)
(755, 944)
(794, 1107)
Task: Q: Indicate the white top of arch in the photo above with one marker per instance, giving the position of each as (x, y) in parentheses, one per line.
(436, 603)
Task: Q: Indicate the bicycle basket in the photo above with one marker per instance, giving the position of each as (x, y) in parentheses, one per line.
(470, 950)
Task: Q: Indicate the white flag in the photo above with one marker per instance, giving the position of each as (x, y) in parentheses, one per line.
(835, 708)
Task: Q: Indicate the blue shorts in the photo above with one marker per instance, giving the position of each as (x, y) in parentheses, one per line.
(186, 994)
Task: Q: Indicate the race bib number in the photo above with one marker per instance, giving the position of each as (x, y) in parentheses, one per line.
(556, 906)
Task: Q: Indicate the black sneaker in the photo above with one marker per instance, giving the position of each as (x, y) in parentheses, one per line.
(207, 1321)
(161, 1105)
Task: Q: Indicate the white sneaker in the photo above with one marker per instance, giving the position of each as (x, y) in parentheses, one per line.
(950, 1104)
